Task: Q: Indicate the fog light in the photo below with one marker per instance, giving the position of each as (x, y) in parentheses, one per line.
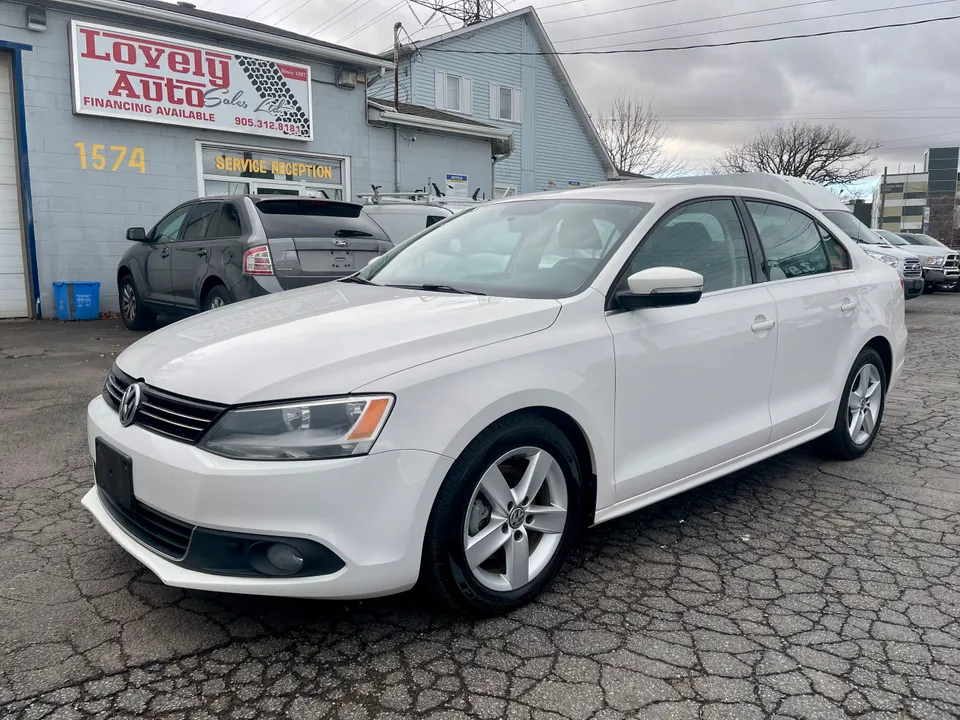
(284, 558)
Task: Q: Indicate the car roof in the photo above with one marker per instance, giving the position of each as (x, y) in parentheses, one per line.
(405, 207)
(660, 192)
(267, 198)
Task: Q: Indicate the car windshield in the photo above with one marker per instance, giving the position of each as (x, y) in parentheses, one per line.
(855, 229)
(927, 240)
(889, 238)
(542, 248)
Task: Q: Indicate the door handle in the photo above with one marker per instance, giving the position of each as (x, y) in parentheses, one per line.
(164, 253)
(201, 252)
(848, 306)
(763, 326)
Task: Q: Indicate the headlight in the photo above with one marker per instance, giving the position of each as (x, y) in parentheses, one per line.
(937, 261)
(307, 430)
(888, 259)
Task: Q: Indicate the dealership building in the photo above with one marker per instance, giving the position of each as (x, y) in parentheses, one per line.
(112, 112)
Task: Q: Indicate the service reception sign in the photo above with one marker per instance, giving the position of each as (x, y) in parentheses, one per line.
(135, 76)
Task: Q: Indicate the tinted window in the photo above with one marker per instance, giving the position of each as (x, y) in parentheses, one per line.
(434, 219)
(837, 254)
(199, 222)
(307, 218)
(791, 241)
(168, 229)
(501, 249)
(228, 222)
(705, 237)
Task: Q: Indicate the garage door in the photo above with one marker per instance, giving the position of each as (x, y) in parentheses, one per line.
(13, 287)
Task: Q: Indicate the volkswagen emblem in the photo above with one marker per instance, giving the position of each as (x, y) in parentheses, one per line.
(341, 243)
(129, 404)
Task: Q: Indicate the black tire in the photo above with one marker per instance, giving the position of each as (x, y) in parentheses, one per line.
(929, 289)
(444, 574)
(948, 286)
(135, 315)
(838, 443)
(215, 294)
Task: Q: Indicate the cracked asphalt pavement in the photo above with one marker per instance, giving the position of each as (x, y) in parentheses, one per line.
(795, 589)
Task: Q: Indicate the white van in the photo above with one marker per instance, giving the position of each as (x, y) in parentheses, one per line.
(403, 220)
(820, 198)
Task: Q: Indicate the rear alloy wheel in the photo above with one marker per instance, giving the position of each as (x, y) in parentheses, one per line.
(217, 297)
(504, 518)
(132, 310)
(861, 409)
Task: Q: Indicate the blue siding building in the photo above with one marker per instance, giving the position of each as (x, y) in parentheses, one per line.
(554, 141)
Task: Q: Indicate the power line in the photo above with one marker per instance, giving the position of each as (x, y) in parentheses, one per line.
(698, 20)
(762, 118)
(606, 12)
(331, 21)
(372, 22)
(292, 12)
(733, 43)
(776, 23)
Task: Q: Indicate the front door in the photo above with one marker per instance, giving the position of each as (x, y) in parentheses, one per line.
(191, 255)
(693, 382)
(817, 295)
(157, 262)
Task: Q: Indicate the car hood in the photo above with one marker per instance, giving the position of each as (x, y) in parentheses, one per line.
(891, 250)
(323, 340)
(925, 251)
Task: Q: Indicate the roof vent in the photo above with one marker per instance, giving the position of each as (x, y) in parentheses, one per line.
(188, 5)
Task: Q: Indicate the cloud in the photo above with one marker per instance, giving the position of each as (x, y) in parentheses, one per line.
(879, 84)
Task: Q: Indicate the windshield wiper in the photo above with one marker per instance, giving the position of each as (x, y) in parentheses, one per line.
(432, 287)
(357, 279)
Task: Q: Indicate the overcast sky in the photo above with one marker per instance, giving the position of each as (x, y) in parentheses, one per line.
(898, 86)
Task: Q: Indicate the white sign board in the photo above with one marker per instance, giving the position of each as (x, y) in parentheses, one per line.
(457, 186)
(136, 76)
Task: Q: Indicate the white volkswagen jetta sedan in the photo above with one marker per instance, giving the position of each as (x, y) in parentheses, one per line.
(457, 411)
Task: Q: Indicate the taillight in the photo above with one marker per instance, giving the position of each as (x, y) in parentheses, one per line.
(903, 285)
(256, 261)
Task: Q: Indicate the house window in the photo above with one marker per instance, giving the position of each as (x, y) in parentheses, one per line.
(453, 93)
(505, 103)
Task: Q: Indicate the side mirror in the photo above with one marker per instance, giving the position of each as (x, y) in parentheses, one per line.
(136, 234)
(661, 287)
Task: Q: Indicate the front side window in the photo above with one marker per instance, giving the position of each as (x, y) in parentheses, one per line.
(453, 93)
(543, 248)
(705, 237)
(791, 242)
(168, 229)
(198, 225)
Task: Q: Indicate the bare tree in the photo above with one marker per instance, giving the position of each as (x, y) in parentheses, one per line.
(636, 137)
(826, 154)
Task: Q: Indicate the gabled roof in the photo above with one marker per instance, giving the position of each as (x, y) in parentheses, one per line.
(186, 15)
(530, 14)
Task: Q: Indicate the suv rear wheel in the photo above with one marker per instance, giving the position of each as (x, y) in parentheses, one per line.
(216, 297)
(136, 316)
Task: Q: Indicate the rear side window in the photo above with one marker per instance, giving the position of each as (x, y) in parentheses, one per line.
(298, 217)
(836, 253)
(791, 241)
(228, 222)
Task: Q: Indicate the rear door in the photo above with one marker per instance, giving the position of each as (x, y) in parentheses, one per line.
(314, 241)
(191, 255)
(818, 300)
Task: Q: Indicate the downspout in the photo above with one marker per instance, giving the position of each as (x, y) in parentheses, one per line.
(396, 158)
(396, 105)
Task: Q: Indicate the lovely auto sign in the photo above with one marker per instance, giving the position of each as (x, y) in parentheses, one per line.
(136, 76)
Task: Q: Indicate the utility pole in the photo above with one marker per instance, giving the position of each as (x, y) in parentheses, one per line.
(883, 196)
(396, 65)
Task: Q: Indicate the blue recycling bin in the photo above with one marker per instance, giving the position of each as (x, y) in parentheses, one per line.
(77, 300)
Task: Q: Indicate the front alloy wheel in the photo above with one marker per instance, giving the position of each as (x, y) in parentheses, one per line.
(516, 520)
(504, 517)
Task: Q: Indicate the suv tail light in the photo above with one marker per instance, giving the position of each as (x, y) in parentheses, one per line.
(256, 261)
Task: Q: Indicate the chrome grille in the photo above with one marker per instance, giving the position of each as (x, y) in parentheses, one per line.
(911, 268)
(164, 413)
(952, 261)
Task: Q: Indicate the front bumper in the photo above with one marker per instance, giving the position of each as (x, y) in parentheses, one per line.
(912, 287)
(939, 275)
(370, 511)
